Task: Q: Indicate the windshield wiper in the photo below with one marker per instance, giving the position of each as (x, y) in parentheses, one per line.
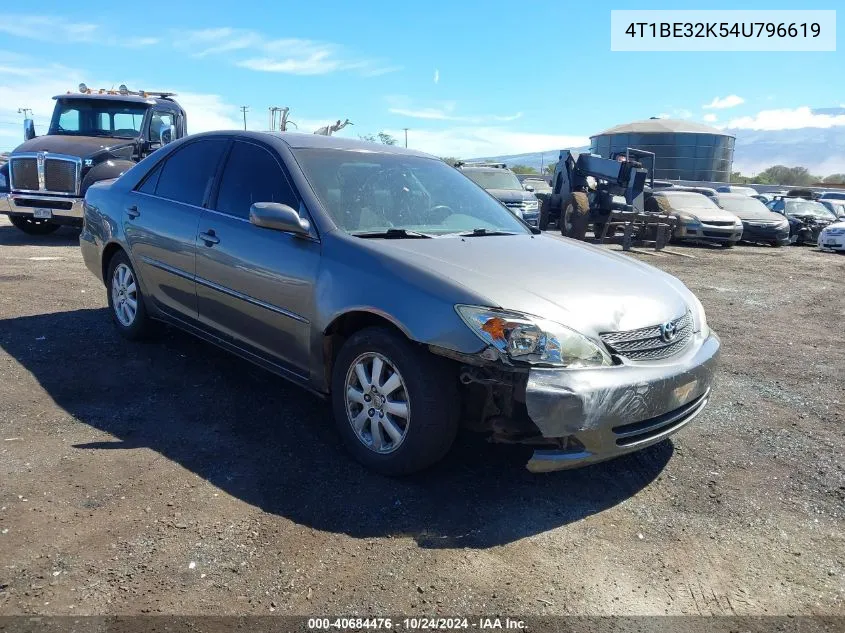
(395, 234)
(482, 232)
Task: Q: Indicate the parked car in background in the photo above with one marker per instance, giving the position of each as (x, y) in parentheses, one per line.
(759, 224)
(704, 191)
(93, 136)
(806, 218)
(833, 195)
(834, 205)
(833, 237)
(502, 183)
(748, 191)
(767, 196)
(540, 187)
(699, 218)
(383, 279)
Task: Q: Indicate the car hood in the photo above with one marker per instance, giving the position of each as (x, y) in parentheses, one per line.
(705, 214)
(758, 215)
(511, 195)
(82, 146)
(570, 282)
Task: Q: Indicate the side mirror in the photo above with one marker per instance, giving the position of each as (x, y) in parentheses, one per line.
(279, 217)
(528, 187)
(168, 134)
(28, 129)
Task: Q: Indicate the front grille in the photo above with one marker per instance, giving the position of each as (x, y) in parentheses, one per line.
(629, 434)
(24, 173)
(60, 175)
(648, 343)
(513, 205)
(719, 223)
(720, 234)
(39, 203)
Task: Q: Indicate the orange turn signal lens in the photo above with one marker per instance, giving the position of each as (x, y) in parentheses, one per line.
(495, 327)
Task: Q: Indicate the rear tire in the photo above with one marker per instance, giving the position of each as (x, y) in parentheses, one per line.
(126, 302)
(31, 226)
(544, 214)
(575, 216)
(399, 417)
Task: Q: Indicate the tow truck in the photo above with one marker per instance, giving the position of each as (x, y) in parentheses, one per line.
(93, 135)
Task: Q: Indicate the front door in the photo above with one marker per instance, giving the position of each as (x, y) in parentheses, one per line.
(255, 285)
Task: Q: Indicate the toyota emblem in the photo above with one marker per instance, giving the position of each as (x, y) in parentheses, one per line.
(668, 331)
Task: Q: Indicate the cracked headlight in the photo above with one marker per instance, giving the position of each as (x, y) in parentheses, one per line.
(529, 339)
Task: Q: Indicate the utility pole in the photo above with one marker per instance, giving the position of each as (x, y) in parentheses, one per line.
(244, 109)
(23, 111)
(406, 136)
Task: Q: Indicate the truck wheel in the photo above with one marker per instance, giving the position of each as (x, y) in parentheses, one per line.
(544, 214)
(575, 216)
(126, 303)
(32, 226)
(396, 406)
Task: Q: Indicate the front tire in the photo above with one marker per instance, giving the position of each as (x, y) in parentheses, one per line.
(126, 302)
(575, 216)
(31, 226)
(395, 405)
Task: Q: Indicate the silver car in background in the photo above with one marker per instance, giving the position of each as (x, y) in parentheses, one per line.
(385, 280)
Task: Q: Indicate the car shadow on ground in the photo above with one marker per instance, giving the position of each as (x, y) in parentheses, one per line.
(273, 445)
(64, 236)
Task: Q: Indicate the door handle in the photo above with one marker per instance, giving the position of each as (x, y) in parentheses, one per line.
(209, 238)
(133, 212)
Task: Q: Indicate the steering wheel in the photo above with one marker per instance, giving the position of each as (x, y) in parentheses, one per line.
(440, 212)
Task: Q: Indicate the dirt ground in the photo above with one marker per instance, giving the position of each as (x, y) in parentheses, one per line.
(171, 477)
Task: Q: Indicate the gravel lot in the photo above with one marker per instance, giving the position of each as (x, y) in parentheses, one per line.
(170, 477)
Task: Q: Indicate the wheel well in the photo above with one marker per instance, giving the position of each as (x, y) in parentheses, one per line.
(345, 326)
(108, 253)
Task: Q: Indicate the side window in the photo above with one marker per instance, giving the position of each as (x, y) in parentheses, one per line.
(151, 181)
(188, 173)
(252, 175)
(160, 123)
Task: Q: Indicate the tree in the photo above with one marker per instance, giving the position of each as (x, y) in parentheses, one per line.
(449, 160)
(835, 179)
(382, 137)
(523, 169)
(550, 168)
(783, 175)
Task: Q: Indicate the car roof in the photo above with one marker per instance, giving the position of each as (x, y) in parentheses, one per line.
(299, 140)
(117, 97)
(733, 196)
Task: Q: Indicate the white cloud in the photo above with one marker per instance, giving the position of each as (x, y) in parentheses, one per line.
(786, 119)
(294, 56)
(470, 141)
(718, 103)
(710, 118)
(442, 111)
(50, 28)
(436, 75)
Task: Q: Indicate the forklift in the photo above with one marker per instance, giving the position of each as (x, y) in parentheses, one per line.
(607, 193)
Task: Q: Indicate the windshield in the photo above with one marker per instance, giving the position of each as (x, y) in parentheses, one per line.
(689, 201)
(368, 192)
(744, 205)
(833, 195)
(98, 117)
(807, 207)
(494, 179)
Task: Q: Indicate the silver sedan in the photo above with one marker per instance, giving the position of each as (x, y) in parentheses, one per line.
(387, 281)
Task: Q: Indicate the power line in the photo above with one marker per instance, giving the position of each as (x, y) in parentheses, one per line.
(244, 110)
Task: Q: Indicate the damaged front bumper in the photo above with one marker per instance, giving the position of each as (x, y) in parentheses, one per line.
(610, 411)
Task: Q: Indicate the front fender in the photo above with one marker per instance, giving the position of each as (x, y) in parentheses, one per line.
(112, 168)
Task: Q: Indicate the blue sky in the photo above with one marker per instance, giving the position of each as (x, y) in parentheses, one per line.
(467, 78)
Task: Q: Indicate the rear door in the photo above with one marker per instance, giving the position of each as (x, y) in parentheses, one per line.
(161, 223)
(255, 285)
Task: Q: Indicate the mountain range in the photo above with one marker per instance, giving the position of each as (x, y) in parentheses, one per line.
(821, 150)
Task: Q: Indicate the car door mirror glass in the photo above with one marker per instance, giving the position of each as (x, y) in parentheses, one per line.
(279, 217)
